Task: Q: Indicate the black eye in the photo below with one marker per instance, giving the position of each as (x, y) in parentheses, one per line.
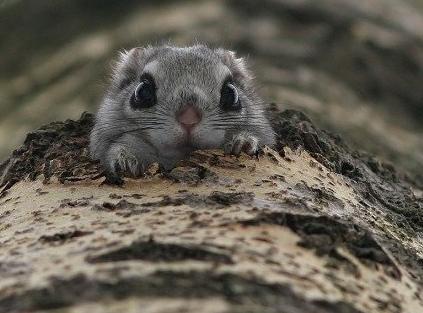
(229, 98)
(144, 95)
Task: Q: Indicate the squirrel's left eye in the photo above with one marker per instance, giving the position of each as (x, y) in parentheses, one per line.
(144, 95)
(229, 97)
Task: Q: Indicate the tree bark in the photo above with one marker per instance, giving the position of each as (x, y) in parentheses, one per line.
(308, 227)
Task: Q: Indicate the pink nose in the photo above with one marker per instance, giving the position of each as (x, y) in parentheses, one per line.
(188, 117)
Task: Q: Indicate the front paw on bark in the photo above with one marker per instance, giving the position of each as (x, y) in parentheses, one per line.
(123, 163)
(243, 142)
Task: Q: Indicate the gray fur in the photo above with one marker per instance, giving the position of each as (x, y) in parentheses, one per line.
(126, 141)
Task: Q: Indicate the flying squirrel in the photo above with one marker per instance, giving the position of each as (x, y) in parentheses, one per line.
(165, 102)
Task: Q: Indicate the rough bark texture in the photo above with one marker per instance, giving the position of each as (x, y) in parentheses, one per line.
(309, 227)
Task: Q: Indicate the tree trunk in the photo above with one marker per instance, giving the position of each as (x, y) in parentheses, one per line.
(309, 227)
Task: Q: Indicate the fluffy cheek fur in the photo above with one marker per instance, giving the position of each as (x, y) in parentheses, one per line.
(206, 138)
(174, 138)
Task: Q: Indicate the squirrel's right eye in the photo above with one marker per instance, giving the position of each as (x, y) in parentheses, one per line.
(144, 95)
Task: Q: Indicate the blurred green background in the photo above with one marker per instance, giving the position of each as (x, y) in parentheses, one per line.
(355, 67)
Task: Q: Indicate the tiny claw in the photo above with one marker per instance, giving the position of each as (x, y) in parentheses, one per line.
(242, 142)
(112, 179)
(124, 163)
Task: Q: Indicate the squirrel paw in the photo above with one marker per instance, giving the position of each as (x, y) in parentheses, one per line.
(242, 142)
(123, 163)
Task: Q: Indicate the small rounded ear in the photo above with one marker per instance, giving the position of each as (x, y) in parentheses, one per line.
(236, 65)
(130, 63)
